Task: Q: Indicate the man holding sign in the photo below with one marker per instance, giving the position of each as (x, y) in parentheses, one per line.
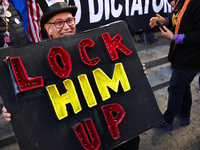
(58, 21)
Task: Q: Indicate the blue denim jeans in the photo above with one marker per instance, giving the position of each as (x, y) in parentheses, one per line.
(180, 98)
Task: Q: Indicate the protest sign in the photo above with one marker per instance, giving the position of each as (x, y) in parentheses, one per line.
(63, 91)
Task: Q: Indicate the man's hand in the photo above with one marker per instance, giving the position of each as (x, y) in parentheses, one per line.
(6, 114)
(144, 68)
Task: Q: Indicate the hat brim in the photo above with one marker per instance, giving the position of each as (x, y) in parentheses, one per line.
(45, 18)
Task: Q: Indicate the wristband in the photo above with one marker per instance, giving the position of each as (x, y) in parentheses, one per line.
(178, 38)
(167, 21)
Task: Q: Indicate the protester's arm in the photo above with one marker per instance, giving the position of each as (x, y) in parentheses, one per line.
(192, 37)
(167, 33)
(153, 20)
(177, 38)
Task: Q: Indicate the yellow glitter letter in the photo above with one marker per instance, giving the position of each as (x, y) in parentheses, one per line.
(102, 81)
(59, 101)
(87, 90)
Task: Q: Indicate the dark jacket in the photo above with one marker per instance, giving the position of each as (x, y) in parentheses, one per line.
(17, 33)
(186, 56)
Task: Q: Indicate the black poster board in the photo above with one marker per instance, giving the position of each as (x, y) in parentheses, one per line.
(34, 121)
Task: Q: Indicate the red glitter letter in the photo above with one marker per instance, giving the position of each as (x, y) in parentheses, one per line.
(66, 62)
(112, 121)
(82, 44)
(83, 138)
(114, 43)
(21, 76)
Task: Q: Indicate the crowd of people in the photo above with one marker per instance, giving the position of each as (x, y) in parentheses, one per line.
(182, 29)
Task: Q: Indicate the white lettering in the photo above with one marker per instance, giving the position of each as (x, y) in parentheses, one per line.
(98, 8)
(95, 17)
(78, 13)
(127, 7)
(166, 4)
(77, 3)
(107, 9)
(136, 7)
(146, 7)
(116, 12)
(155, 7)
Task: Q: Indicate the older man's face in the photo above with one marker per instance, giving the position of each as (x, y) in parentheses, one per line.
(61, 24)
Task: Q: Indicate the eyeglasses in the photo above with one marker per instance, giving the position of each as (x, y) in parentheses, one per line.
(59, 24)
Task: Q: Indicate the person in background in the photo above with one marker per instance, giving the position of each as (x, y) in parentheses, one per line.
(184, 56)
(172, 2)
(31, 14)
(11, 29)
